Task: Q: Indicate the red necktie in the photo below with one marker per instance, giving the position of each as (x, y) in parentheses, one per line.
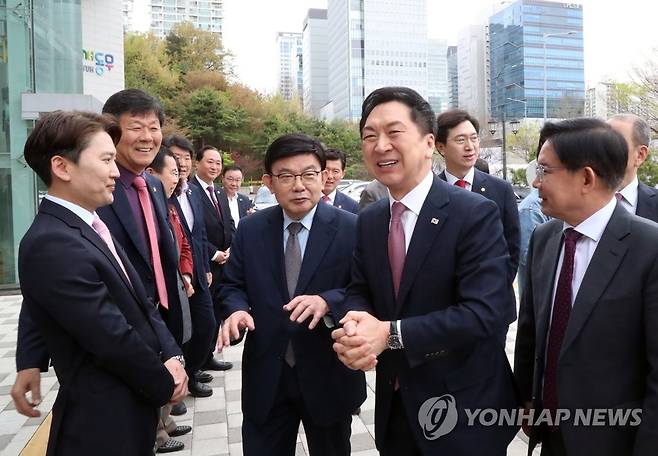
(325, 199)
(211, 192)
(103, 231)
(396, 244)
(561, 312)
(461, 183)
(147, 209)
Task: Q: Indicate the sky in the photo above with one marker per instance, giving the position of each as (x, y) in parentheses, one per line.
(619, 35)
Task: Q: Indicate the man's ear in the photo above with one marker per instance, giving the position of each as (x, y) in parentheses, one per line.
(267, 181)
(60, 168)
(440, 147)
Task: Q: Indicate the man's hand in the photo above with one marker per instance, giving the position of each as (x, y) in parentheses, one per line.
(27, 380)
(231, 327)
(222, 256)
(209, 278)
(302, 307)
(177, 371)
(361, 339)
(189, 290)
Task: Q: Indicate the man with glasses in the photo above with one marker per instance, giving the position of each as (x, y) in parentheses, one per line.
(288, 269)
(336, 161)
(238, 203)
(458, 142)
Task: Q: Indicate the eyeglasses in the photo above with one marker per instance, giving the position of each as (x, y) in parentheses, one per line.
(233, 179)
(461, 140)
(307, 177)
(334, 172)
(541, 170)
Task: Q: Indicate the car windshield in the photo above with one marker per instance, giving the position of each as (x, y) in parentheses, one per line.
(265, 196)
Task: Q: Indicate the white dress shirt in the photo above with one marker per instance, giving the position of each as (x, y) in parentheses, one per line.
(84, 214)
(302, 236)
(331, 196)
(234, 208)
(592, 229)
(205, 186)
(468, 178)
(629, 193)
(185, 205)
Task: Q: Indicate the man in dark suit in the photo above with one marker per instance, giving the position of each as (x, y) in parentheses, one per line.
(84, 300)
(288, 269)
(336, 161)
(238, 203)
(189, 206)
(219, 231)
(374, 191)
(637, 197)
(458, 141)
(587, 337)
(433, 320)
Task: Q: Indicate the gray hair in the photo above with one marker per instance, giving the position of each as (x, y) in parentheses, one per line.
(641, 132)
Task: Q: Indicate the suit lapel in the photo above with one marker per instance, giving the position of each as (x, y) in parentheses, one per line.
(606, 260)
(181, 216)
(206, 199)
(274, 249)
(546, 271)
(123, 212)
(646, 202)
(479, 182)
(320, 238)
(430, 222)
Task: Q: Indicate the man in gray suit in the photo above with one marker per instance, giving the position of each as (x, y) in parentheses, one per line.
(587, 345)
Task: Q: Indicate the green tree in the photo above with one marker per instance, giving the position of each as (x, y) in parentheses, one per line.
(210, 118)
(190, 49)
(524, 143)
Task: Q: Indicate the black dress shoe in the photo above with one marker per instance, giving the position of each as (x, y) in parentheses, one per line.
(216, 365)
(170, 446)
(197, 389)
(178, 409)
(203, 377)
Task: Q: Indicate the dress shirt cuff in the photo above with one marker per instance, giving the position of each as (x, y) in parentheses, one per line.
(214, 256)
(398, 324)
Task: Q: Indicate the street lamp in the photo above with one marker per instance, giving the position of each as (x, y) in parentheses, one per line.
(546, 35)
(525, 106)
(515, 126)
(493, 126)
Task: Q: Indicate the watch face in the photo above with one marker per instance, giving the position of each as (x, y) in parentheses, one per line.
(394, 342)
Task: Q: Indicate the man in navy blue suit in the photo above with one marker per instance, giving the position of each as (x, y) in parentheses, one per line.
(238, 203)
(427, 303)
(287, 272)
(84, 304)
(190, 210)
(336, 162)
(458, 141)
(635, 196)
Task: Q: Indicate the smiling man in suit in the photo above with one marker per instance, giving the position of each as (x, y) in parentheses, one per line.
(238, 203)
(219, 232)
(637, 197)
(85, 301)
(336, 162)
(428, 301)
(587, 334)
(288, 269)
(458, 141)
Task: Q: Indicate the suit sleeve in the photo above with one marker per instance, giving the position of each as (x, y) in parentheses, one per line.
(78, 300)
(480, 313)
(233, 292)
(31, 349)
(366, 198)
(512, 228)
(524, 351)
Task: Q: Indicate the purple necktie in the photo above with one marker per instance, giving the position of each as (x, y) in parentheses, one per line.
(561, 311)
(103, 231)
(619, 196)
(211, 192)
(396, 244)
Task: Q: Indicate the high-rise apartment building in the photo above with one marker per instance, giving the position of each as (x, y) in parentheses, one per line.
(453, 72)
(437, 75)
(162, 15)
(374, 43)
(315, 67)
(536, 59)
(290, 76)
(472, 71)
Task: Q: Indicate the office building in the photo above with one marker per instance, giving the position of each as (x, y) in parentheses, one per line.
(472, 71)
(315, 68)
(453, 71)
(437, 74)
(290, 75)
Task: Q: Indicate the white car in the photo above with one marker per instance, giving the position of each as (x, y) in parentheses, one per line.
(354, 189)
(264, 199)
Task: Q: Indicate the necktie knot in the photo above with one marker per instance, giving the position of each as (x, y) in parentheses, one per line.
(397, 210)
(139, 183)
(325, 198)
(294, 228)
(461, 183)
(100, 227)
(619, 196)
(571, 236)
(210, 189)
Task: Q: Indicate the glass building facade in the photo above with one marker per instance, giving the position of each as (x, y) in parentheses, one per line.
(40, 46)
(535, 43)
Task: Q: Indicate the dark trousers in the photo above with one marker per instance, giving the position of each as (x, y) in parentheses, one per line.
(277, 436)
(204, 329)
(398, 440)
(552, 443)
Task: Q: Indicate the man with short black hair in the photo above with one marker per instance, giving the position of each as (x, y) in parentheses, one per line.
(238, 203)
(288, 270)
(586, 338)
(336, 161)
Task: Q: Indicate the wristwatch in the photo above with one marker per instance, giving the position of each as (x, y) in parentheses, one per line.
(394, 341)
(180, 359)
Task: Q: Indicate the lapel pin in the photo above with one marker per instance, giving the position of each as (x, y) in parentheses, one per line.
(434, 221)
(154, 189)
(483, 189)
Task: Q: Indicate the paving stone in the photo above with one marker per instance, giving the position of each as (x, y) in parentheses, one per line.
(210, 417)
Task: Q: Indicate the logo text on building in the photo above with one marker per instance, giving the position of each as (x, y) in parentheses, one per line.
(97, 62)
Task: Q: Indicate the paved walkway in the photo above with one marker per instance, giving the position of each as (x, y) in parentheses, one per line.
(216, 420)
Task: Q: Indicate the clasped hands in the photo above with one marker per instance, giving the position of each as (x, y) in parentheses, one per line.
(360, 340)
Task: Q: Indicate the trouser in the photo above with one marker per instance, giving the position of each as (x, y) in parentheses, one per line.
(166, 425)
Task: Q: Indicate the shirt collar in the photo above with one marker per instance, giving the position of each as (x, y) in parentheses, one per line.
(126, 177)
(468, 177)
(630, 192)
(203, 183)
(332, 195)
(84, 214)
(184, 186)
(415, 199)
(306, 221)
(594, 225)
